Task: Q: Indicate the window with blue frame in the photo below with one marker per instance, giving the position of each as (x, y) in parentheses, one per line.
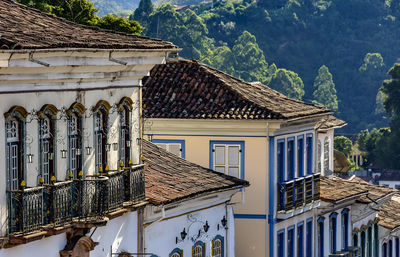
(300, 156)
(384, 250)
(320, 235)
(332, 232)
(363, 244)
(309, 153)
(390, 246)
(227, 157)
(300, 239)
(176, 253)
(281, 160)
(217, 247)
(199, 249)
(345, 229)
(290, 242)
(309, 237)
(290, 159)
(281, 243)
(397, 241)
(174, 146)
(376, 240)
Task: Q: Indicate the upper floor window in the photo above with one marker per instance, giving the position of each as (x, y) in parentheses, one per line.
(199, 249)
(345, 229)
(309, 153)
(281, 160)
(75, 146)
(332, 233)
(309, 238)
(217, 247)
(125, 108)
(326, 154)
(290, 242)
(15, 129)
(290, 159)
(176, 147)
(101, 132)
(47, 138)
(227, 157)
(300, 156)
(281, 243)
(320, 237)
(319, 156)
(300, 240)
(176, 253)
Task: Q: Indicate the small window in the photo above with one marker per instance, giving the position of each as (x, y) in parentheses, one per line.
(300, 156)
(332, 233)
(290, 242)
(281, 161)
(281, 243)
(320, 240)
(176, 253)
(290, 159)
(309, 238)
(199, 249)
(319, 156)
(345, 229)
(300, 240)
(309, 153)
(228, 158)
(176, 147)
(326, 154)
(218, 247)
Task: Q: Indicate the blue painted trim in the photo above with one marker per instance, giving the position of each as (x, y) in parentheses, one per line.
(300, 170)
(309, 240)
(271, 194)
(281, 243)
(291, 227)
(172, 141)
(221, 238)
(291, 237)
(281, 172)
(178, 251)
(300, 239)
(250, 216)
(217, 142)
(333, 228)
(345, 220)
(321, 242)
(309, 157)
(290, 169)
(203, 247)
(195, 135)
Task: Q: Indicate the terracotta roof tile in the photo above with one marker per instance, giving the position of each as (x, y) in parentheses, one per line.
(189, 90)
(25, 28)
(329, 123)
(170, 178)
(389, 215)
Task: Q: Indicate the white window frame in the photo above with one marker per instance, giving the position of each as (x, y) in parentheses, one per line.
(227, 144)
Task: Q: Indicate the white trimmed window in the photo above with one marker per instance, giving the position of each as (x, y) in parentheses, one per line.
(176, 147)
(227, 158)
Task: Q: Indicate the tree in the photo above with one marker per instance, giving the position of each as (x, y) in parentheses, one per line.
(324, 89)
(119, 24)
(288, 83)
(391, 89)
(142, 13)
(343, 144)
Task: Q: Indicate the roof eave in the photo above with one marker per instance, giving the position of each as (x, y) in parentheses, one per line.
(47, 50)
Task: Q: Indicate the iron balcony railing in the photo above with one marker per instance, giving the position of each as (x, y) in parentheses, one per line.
(299, 192)
(59, 204)
(352, 251)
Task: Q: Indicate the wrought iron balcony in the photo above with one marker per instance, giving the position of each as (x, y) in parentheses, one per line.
(299, 192)
(63, 203)
(352, 251)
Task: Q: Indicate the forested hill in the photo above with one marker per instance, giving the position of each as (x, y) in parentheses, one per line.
(344, 44)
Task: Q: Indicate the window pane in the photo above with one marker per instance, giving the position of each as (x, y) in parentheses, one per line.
(220, 169)
(163, 146)
(219, 155)
(233, 152)
(234, 171)
(175, 149)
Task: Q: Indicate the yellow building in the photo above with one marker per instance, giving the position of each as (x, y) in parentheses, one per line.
(250, 131)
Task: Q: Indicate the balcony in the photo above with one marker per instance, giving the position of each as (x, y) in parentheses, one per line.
(74, 201)
(351, 252)
(298, 193)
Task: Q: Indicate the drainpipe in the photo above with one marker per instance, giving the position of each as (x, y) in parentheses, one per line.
(267, 246)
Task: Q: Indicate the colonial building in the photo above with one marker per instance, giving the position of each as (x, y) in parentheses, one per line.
(190, 211)
(70, 103)
(248, 131)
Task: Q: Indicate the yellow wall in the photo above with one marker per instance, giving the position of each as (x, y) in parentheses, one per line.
(250, 233)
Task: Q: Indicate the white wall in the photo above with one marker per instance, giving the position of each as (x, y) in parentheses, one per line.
(391, 184)
(160, 236)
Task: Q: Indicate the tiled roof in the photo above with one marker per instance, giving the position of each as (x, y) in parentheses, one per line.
(330, 122)
(375, 192)
(333, 189)
(189, 90)
(389, 215)
(170, 178)
(25, 28)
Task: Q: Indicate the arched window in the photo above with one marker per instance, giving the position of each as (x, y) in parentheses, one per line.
(332, 232)
(345, 229)
(100, 131)
(320, 235)
(217, 247)
(326, 154)
(75, 146)
(15, 135)
(199, 249)
(47, 139)
(176, 253)
(125, 108)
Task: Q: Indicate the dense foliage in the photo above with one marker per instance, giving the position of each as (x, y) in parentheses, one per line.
(83, 12)
(353, 38)
(343, 144)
